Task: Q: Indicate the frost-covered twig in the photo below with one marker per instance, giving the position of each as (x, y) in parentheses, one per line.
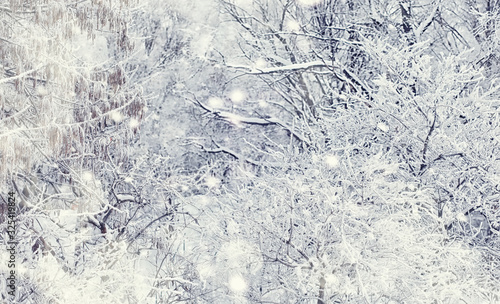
(424, 165)
(286, 68)
(4, 80)
(425, 24)
(234, 154)
(147, 226)
(235, 118)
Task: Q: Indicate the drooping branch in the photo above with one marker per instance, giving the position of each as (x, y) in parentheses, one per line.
(427, 22)
(168, 213)
(235, 118)
(285, 68)
(424, 164)
(406, 16)
(230, 152)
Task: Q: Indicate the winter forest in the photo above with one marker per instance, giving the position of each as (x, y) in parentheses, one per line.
(250, 151)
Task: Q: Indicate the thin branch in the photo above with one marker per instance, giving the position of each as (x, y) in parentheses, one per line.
(147, 226)
(423, 165)
(286, 68)
(4, 80)
(427, 22)
(235, 118)
(234, 154)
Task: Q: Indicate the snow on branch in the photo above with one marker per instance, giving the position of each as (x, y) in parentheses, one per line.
(234, 154)
(125, 198)
(356, 81)
(235, 118)
(425, 24)
(284, 68)
(4, 80)
(317, 36)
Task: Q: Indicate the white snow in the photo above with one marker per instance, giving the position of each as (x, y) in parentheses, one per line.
(87, 176)
(332, 161)
(215, 102)
(134, 123)
(212, 182)
(285, 68)
(382, 126)
(237, 96)
(293, 25)
(237, 284)
(309, 2)
(116, 116)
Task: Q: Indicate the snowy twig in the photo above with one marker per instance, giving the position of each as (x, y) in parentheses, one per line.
(425, 24)
(286, 68)
(234, 154)
(4, 80)
(235, 118)
(147, 226)
(424, 165)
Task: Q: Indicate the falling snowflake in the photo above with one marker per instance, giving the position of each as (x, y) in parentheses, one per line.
(260, 63)
(382, 126)
(332, 161)
(215, 102)
(212, 182)
(237, 96)
(332, 279)
(42, 91)
(293, 25)
(263, 103)
(234, 119)
(237, 284)
(87, 176)
(116, 116)
(134, 123)
(309, 2)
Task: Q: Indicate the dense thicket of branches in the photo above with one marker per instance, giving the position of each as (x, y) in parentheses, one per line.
(252, 151)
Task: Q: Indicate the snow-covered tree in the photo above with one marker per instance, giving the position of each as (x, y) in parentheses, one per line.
(393, 96)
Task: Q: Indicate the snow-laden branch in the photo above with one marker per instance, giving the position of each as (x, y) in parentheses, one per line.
(168, 213)
(125, 198)
(238, 119)
(4, 80)
(356, 81)
(425, 24)
(234, 154)
(317, 36)
(86, 121)
(93, 220)
(286, 68)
